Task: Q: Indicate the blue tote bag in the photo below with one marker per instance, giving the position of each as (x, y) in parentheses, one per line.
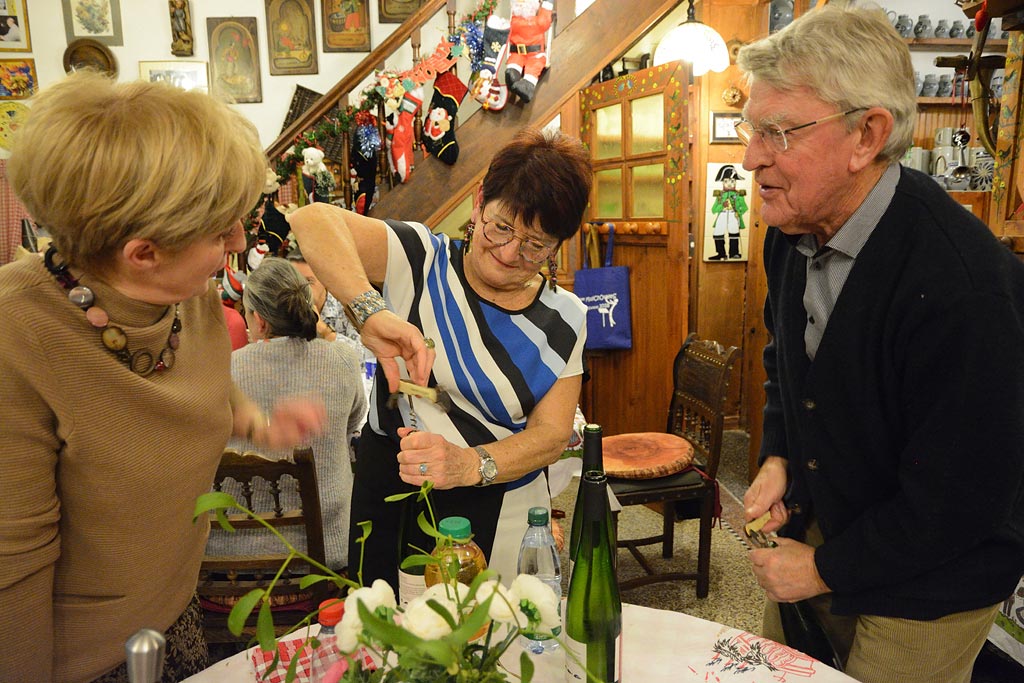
(605, 291)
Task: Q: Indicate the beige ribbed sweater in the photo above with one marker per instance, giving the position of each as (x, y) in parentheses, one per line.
(99, 472)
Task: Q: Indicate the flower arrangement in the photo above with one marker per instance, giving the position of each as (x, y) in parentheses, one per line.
(452, 633)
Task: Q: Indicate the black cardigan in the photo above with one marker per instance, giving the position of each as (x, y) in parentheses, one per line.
(905, 436)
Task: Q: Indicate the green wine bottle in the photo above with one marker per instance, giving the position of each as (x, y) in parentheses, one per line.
(593, 461)
(593, 609)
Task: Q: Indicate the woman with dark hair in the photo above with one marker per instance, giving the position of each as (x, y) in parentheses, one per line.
(286, 358)
(508, 344)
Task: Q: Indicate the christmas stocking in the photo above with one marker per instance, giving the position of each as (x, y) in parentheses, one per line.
(495, 46)
(439, 127)
(402, 135)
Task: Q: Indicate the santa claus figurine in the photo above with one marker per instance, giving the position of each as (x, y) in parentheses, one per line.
(528, 50)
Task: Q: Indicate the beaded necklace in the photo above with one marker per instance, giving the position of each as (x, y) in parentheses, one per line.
(114, 338)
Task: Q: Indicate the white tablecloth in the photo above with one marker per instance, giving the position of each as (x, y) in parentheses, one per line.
(658, 647)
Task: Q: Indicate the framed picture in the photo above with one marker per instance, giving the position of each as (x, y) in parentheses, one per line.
(234, 59)
(726, 213)
(187, 75)
(723, 126)
(18, 78)
(396, 11)
(346, 25)
(291, 37)
(96, 19)
(14, 35)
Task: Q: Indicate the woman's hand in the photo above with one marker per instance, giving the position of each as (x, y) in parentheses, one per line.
(293, 422)
(390, 337)
(430, 456)
(765, 493)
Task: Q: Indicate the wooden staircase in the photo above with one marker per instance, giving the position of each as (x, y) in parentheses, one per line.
(581, 48)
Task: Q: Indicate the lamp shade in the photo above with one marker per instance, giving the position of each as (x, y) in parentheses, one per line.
(696, 43)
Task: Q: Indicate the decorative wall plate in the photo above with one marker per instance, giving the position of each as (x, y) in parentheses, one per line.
(10, 112)
(86, 53)
(981, 176)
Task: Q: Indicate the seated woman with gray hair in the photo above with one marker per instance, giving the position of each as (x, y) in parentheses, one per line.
(287, 358)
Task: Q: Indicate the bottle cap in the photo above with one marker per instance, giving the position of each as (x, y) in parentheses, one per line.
(331, 611)
(458, 528)
(537, 516)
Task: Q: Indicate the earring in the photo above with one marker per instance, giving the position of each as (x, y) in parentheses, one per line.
(552, 272)
(467, 241)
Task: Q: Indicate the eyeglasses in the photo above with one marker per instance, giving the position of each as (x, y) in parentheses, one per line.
(530, 249)
(773, 135)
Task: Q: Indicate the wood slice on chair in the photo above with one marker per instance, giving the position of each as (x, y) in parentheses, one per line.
(645, 455)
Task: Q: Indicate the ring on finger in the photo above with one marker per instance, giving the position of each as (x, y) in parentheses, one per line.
(428, 342)
(423, 468)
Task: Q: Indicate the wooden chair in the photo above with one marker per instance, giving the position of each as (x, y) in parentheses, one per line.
(223, 579)
(696, 414)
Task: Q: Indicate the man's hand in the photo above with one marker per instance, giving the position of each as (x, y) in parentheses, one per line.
(765, 493)
(787, 572)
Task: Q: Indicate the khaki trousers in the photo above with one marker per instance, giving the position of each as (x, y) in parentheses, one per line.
(891, 649)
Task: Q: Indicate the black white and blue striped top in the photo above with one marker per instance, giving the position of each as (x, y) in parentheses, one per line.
(495, 364)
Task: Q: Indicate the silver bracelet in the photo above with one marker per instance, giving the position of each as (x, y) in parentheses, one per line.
(363, 306)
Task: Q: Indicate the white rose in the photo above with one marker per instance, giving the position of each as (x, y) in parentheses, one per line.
(380, 594)
(455, 592)
(538, 601)
(421, 620)
(504, 607)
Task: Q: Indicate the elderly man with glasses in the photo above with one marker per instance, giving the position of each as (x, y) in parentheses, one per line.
(893, 448)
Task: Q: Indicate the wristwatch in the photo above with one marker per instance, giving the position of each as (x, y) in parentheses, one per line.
(488, 468)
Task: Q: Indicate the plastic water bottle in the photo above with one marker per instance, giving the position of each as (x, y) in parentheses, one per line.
(538, 556)
(329, 664)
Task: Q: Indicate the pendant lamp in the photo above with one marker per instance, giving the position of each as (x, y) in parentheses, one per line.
(696, 43)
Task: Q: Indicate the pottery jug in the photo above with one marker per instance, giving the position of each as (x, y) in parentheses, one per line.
(997, 87)
(930, 86)
(918, 82)
(923, 27)
(905, 25)
(970, 30)
(942, 29)
(781, 14)
(892, 17)
(957, 29)
(945, 88)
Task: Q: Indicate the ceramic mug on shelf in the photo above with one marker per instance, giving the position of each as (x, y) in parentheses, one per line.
(957, 29)
(945, 88)
(997, 86)
(943, 137)
(923, 27)
(942, 29)
(970, 30)
(944, 157)
(930, 85)
(905, 25)
(892, 16)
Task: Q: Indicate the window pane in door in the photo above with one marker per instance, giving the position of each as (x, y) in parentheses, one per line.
(609, 132)
(648, 124)
(649, 191)
(608, 190)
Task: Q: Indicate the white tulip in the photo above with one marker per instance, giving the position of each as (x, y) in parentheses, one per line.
(537, 600)
(504, 607)
(421, 620)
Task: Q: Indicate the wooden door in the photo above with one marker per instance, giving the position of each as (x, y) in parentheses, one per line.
(638, 132)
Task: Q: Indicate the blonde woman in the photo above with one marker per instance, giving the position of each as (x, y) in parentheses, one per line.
(114, 373)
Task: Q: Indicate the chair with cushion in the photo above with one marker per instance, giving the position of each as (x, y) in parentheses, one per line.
(269, 488)
(677, 468)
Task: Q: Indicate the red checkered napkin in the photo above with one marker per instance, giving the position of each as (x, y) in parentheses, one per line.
(262, 660)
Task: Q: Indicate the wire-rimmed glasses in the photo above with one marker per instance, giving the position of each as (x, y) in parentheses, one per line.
(530, 249)
(774, 135)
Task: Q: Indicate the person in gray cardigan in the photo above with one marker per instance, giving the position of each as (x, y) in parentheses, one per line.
(286, 358)
(893, 449)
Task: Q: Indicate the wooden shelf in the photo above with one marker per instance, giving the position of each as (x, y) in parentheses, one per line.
(941, 44)
(947, 100)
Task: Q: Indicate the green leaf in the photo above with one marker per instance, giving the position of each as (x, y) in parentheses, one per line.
(472, 623)
(525, 667)
(222, 520)
(293, 670)
(212, 501)
(442, 612)
(419, 561)
(242, 609)
(367, 528)
(394, 498)
(265, 627)
(428, 528)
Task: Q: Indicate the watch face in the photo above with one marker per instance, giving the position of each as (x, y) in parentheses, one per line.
(488, 470)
